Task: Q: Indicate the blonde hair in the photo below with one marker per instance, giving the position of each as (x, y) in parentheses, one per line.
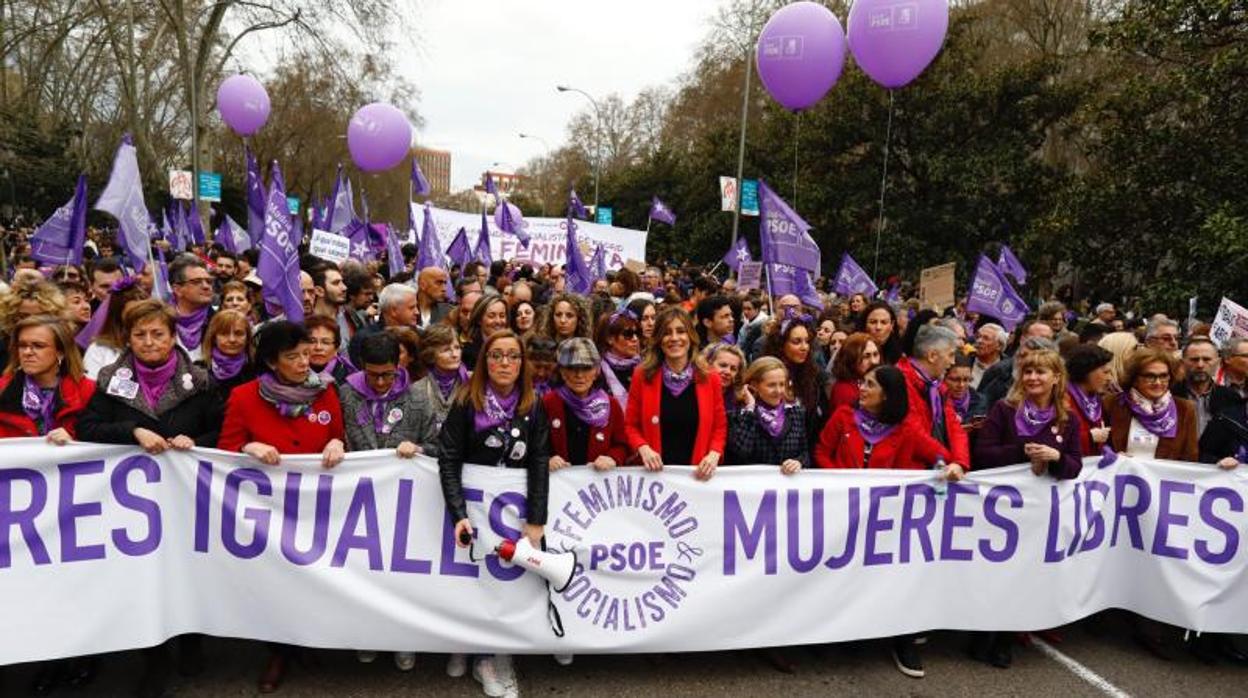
(1044, 359)
(50, 299)
(654, 358)
(1122, 345)
(761, 367)
(71, 365)
(223, 320)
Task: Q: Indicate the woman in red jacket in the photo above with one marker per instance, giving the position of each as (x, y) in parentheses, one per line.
(857, 355)
(1090, 369)
(675, 405)
(586, 425)
(43, 390)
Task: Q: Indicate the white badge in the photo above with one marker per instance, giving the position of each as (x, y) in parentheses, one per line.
(517, 451)
(555, 424)
(323, 417)
(492, 441)
(122, 387)
(600, 436)
(515, 433)
(187, 381)
(124, 372)
(395, 415)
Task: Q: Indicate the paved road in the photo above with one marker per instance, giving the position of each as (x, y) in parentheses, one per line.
(861, 668)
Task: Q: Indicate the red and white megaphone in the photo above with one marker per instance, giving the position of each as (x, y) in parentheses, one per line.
(557, 568)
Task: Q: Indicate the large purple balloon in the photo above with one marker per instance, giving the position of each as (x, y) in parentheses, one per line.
(894, 41)
(379, 137)
(243, 104)
(800, 54)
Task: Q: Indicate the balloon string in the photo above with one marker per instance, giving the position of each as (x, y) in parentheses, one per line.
(797, 129)
(879, 227)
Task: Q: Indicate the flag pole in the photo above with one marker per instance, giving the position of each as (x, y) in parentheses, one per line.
(771, 297)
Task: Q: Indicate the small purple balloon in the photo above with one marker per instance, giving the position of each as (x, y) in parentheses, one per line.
(801, 51)
(243, 104)
(893, 42)
(379, 137)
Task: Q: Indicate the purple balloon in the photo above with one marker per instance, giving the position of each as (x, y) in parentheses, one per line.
(243, 104)
(379, 137)
(800, 54)
(895, 41)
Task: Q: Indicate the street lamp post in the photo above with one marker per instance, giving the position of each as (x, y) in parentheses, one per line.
(541, 187)
(597, 137)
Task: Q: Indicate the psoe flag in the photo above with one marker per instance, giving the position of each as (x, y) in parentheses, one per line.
(785, 236)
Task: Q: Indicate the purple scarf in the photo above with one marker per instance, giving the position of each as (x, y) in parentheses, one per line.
(540, 388)
(620, 362)
(1089, 405)
(873, 430)
(447, 380)
(962, 405)
(376, 404)
(498, 410)
(594, 409)
(1029, 419)
(225, 367)
(934, 399)
(191, 328)
(1160, 418)
(292, 400)
(154, 379)
(677, 382)
(772, 418)
(39, 404)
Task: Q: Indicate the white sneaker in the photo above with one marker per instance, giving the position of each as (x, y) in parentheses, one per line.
(507, 675)
(457, 665)
(486, 672)
(564, 659)
(405, 661)
(366, 656)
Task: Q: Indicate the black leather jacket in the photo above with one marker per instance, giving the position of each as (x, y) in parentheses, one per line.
(462, 443)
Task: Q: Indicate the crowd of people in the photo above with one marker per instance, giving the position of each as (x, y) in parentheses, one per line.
(669, 366)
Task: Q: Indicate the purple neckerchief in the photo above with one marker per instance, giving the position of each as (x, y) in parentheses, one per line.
(961, 405)
(618, 391)
(1160, 417)
(498, 409)
(729, 339)
(1030, 419)
(376, 404)
(772, 418)
(594, 409)
(873, 430)
(92, 329)
(540, 388)
(292, 400)
(191, 328)
(224, 366)
(154, 379)
(617, 361)
(39, 404)
(677, 382)
(447, 380)
(1089, 405)
(934, 399)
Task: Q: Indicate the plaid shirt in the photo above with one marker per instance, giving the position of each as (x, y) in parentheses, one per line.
(750, 444)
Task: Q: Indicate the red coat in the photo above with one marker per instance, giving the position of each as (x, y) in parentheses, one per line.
(921, 413)
(641, 422)
(843, 393)
(1086, 447)
(608, 441)
(249, 417)
(907, 448)
(75, 394)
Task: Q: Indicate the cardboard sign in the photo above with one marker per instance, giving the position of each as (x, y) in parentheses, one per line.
(728, 193)
(749, 275)
(330, 246)
(1231, 321)
(936, 286)
(180, 185)
(635, 266)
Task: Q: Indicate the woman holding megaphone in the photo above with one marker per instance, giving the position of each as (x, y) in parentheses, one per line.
(497, 420)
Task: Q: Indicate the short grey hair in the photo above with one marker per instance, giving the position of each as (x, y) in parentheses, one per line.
(1037, 344)
(1232, 346)
(1003, 337)
(392, 295)
(934, 338)
(1157, 324)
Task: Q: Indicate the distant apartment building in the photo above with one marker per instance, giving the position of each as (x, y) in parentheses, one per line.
(508, 183)
(436, 165)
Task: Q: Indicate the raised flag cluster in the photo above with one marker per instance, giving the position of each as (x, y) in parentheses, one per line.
(992, 294)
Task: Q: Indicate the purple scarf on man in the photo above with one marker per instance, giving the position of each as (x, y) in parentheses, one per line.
(191, 328)
(498, 409)
(153, 380)
(1030, 419)
(873, 430)
(1160, 417)
(447, 380)
(934, 399)
(39, 404)
(377, 404)
(224, 366)
(772, 418)
(594, 409)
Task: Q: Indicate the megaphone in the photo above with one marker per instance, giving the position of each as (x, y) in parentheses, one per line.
(556, 568)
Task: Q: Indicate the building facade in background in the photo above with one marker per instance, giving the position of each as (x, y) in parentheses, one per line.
(436, 165)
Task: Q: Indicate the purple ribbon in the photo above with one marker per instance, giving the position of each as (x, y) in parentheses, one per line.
(1089, 405)
(1030, 419)
(498, 409)
(772, 418)
(376, 403)
(38, 404)
(594, 409)
(873, 430)
(934, 399)
(224, 366)
(1160, 418)
(676, 383)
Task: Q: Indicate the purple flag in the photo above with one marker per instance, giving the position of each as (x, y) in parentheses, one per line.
(482, 251)
(785, 236)
(661, 213)
(420, 185)
(785, 279)
(1010, 264)
(341, 210)
(489, 184)
(394, 252)
(123, 199)
(160, 278)
(579, 277)
(893, 294)
(430, 254)
(233, 238)
(460, 251)
(194, 224)
(61, 238)
(805, 289)
(738, 254)
(180, 234)
(992, 294)
(255, 199)
(851, 279)
(576, 208)
(278, 267)
(357, 232)
(598, 263)
(508, 219)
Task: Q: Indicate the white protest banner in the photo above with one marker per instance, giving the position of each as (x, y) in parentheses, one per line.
(180, 185)
(107, 548)
(549, 238)
(330, 247)
(1231, 321)
(727, 193)
(749, 275)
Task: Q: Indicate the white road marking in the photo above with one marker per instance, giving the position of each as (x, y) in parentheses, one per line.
(1078, 669)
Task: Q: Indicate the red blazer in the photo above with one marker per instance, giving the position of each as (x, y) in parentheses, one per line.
(74, 398)
(1086, 447)
(843, 393)
(921, 412)
(641, 422)
(607, 441)
(249, 417)
(907, 448)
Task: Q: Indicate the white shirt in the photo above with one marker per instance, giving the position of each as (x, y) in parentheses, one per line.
(1141, 443)
(97, 357)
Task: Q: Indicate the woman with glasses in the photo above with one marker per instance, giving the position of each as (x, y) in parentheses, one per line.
(496, 420)
(1146, 420)
(442, 358)
(227, 351)
(43, 389)
(323, 339)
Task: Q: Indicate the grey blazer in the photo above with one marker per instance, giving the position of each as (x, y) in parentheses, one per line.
(429, 411)
(402, 416)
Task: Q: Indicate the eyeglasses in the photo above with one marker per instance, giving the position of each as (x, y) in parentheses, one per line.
(1155, 377)
(205, 281)
(381, 376)
(498, 357)
(628, 334)
(323, 342)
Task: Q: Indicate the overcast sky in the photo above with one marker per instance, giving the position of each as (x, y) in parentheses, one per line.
(487, 70)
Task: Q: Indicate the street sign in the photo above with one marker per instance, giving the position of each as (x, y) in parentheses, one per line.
(292, 205)
(749, 197)
(605, 215)
(209, 186)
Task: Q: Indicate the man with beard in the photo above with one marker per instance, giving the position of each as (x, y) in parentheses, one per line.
(1200, 363)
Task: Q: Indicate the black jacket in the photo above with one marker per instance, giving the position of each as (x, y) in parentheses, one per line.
(750, 444)
(1226, 434)
(460, 443)
(995, 384)
(189, 406)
